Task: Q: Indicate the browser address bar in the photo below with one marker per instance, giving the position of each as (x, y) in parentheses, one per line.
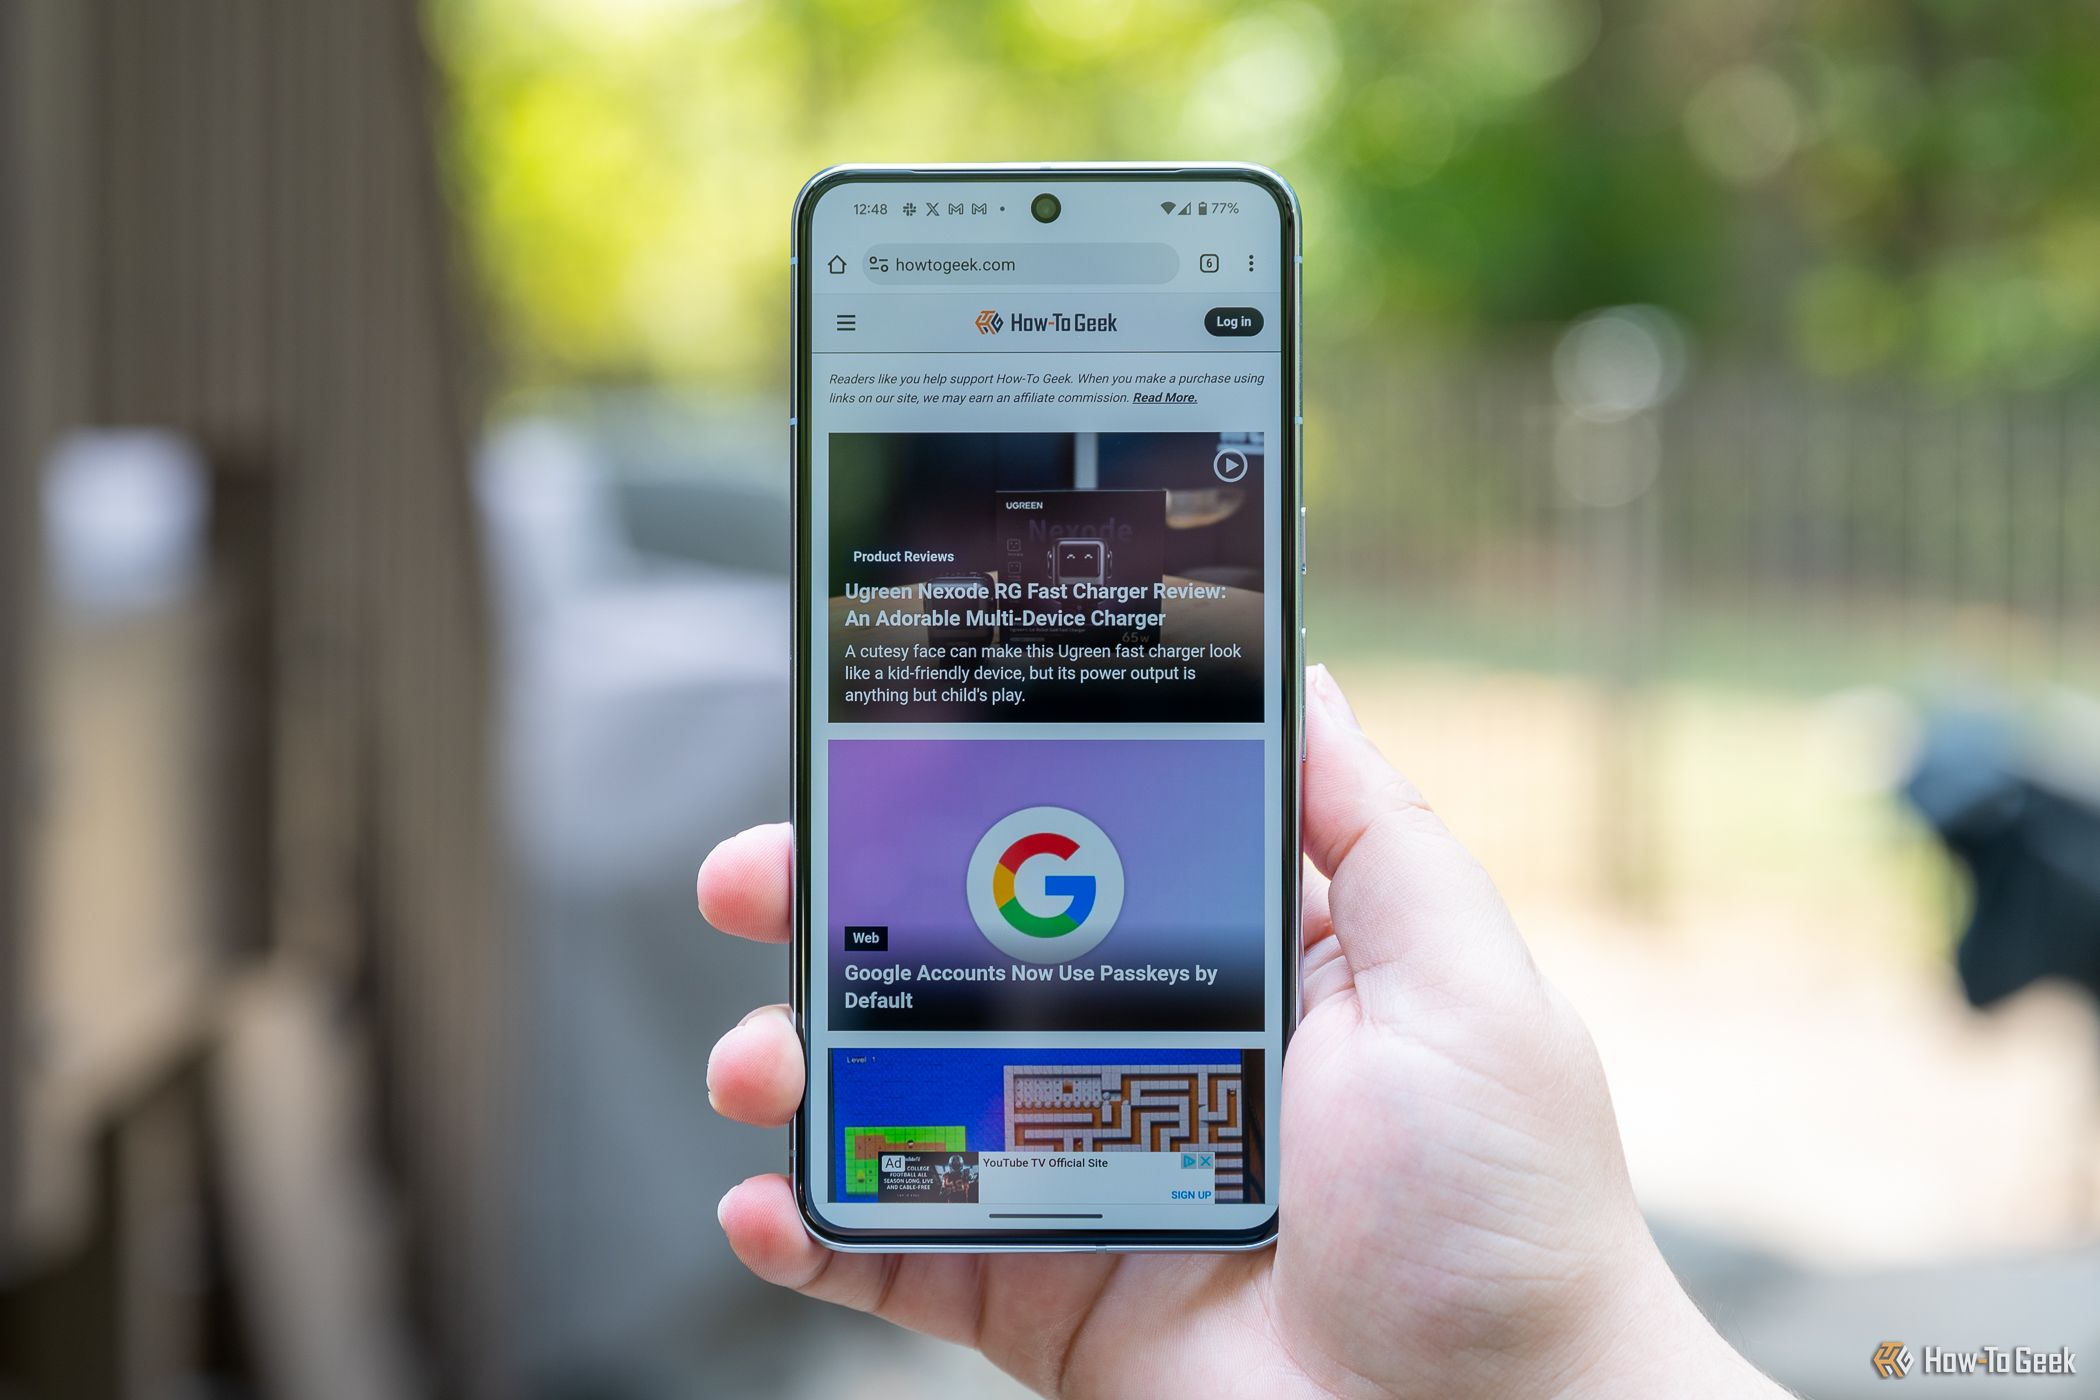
(1022, 264)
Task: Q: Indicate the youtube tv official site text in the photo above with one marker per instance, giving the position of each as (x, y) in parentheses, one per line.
(1046, 507)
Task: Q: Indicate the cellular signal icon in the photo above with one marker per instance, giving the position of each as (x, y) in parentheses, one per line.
(1186, 207)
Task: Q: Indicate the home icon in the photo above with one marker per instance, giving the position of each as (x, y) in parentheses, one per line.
(837, 263)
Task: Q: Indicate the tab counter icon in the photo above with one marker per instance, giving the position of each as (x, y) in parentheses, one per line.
(989, 322)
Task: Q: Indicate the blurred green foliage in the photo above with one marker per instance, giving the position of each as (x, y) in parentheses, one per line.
(1862, 188)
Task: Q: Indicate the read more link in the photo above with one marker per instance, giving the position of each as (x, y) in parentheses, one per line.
(1045, 885)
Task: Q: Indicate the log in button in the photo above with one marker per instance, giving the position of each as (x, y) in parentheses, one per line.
(1232, 320)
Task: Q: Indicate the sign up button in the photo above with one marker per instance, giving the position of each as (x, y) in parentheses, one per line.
(1232, 320)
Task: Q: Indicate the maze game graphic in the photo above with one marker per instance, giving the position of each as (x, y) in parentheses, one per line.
(864, 1146)
(1132, 1108)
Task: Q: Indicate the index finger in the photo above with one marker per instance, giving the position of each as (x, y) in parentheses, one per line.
(746, 884)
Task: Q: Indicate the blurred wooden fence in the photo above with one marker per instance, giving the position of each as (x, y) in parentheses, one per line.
(221, 220)
(17, 566)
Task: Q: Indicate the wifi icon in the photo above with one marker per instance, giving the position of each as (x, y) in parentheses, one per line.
(1166, 206)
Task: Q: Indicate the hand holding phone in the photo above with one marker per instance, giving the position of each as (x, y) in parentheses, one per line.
(1459, 1217)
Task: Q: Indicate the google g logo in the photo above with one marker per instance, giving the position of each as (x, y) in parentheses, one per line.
(1045, 885)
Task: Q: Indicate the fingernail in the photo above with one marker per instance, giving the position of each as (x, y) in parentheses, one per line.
(722, 1208)
(1330, 693)
(775, 1009)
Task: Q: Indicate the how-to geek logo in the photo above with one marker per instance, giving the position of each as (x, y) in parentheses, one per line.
(1061, 322)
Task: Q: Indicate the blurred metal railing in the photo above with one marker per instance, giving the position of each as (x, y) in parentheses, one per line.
(1734, 524)
(1872, 513)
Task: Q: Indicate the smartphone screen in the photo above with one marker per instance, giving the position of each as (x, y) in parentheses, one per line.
(1047, 691)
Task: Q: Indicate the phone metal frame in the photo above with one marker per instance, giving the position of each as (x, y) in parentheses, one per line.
(1292, 549)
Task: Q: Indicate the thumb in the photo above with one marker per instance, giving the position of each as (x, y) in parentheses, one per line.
(1412, 908)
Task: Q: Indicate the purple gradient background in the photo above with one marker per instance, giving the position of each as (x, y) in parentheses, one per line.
(1186, 817)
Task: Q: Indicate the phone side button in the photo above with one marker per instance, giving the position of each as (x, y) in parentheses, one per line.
(1301, 695)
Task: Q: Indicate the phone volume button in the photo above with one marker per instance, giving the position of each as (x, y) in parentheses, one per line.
(1302, 750)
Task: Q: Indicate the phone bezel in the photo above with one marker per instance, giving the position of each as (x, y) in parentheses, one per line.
(805, 648)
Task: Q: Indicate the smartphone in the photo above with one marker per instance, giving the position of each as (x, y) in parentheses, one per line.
(1048, 548)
